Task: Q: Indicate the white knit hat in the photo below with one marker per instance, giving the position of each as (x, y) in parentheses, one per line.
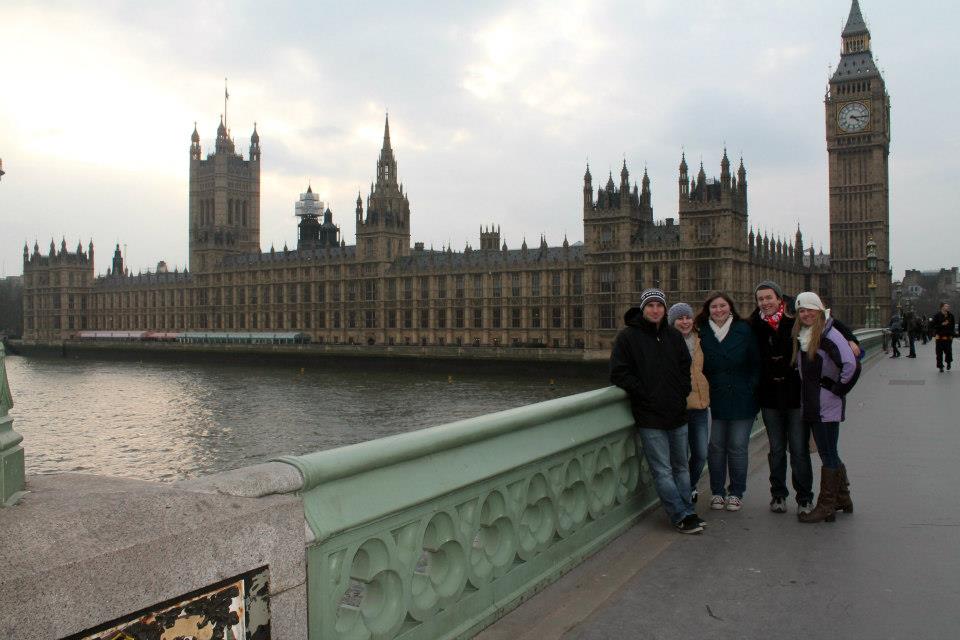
(810, 300)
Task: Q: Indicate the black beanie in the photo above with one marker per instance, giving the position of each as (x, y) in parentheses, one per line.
(651, 295)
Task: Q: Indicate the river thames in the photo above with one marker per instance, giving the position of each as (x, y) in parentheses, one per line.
(168, 421)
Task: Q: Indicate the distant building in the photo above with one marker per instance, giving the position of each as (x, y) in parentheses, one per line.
(11, 306)
(925, 290)
(383, 290)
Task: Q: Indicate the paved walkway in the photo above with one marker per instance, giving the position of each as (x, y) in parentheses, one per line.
(889, 570)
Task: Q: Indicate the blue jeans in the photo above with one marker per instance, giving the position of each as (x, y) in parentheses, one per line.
(786, 430)
(728, 450)
(826, 435)
(698, 432)
(666, 454)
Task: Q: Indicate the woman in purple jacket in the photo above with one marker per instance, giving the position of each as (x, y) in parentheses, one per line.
(828, 370)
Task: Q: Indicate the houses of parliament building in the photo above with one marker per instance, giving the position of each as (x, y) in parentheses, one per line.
(385, 290)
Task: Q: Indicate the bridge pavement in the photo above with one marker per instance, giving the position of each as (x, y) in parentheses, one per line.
(889, 570)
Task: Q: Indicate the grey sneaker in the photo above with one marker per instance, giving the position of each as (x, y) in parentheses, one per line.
(778, 505)
(733, 503)
(803, 508)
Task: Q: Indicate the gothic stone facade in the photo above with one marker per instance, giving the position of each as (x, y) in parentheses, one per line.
(383, 291)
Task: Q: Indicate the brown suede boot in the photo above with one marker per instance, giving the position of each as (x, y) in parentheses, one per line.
(844, 503)
(826, 508)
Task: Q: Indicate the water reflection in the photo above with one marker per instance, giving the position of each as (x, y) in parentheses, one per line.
(167, 421)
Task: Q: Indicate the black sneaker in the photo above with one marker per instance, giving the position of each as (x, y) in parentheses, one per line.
(948, 366)
(689, 524)
(700, 521)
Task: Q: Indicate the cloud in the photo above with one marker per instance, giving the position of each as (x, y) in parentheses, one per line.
(535, 57)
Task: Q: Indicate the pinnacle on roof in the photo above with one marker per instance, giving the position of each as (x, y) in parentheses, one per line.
(683, 162)
(221, 130)
(855, 22)
(255, 137)
(195, 136)
(587, 176)
(386, 132)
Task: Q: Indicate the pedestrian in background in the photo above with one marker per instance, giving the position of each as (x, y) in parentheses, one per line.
(828, 370)
(680, 317)
(910, 330)
(944, 330)
(652, 364)
(778, 394)
(896, 331)
(731, 364)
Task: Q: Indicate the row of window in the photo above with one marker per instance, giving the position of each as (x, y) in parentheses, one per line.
(350, 291)
(493, 318)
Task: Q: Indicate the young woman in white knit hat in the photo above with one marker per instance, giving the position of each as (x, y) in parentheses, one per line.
(828, 370)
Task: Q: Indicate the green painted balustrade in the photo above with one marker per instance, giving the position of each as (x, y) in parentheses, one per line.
(435, 533)
(12, 474)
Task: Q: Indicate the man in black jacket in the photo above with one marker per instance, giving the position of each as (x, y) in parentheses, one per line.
(651, 362)
(944, 329)
(778, 395)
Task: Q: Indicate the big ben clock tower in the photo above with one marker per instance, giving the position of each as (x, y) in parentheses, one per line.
(858, 146)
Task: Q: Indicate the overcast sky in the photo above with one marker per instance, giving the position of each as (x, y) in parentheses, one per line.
(494, 109)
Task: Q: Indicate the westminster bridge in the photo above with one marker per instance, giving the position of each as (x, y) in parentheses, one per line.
(536, 522)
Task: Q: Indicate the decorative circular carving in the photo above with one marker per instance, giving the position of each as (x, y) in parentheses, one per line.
(628, 470)
(572, 503)
(538, 520)
(441, 570)
(603, 483)
(372, 601)
(494, 543)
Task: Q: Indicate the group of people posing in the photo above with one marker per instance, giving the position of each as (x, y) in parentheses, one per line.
(697, 382)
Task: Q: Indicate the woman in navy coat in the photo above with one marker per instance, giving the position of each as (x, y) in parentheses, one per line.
(731, 362)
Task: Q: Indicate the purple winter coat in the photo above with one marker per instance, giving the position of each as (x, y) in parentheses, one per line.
(826, 380)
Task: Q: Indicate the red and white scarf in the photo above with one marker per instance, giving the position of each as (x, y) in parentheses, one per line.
(774, 319)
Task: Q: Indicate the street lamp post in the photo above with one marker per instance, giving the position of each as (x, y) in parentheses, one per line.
(873, 312)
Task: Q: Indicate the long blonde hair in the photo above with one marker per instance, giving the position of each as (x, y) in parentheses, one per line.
(816, 333)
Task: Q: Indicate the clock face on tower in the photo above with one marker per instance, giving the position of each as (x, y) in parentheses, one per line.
(853, 117)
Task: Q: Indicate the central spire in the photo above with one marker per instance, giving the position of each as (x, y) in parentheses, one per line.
(386, 133)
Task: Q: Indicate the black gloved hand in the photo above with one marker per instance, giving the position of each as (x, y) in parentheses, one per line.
(827, 383)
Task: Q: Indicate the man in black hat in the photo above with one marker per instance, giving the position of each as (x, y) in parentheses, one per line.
(651, 362)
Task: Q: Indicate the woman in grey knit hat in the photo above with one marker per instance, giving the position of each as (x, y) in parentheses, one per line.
(680, 317)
